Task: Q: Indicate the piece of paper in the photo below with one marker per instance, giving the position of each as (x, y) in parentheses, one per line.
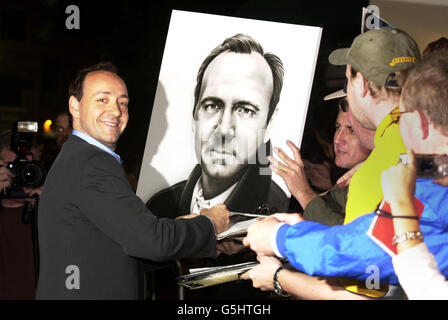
(205, 277)
(238, 225)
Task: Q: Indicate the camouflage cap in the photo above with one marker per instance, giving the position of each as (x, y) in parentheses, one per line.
(378, 53)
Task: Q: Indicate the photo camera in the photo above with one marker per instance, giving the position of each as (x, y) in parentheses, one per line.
(429, 165)
(27, 173)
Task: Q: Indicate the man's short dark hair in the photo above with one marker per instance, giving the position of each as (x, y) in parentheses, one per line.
(241, 43)
(76, 86)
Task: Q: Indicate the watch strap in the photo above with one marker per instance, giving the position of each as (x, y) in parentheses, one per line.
(277, 287)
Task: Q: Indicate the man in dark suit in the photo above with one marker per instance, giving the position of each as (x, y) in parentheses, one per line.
(91, 224)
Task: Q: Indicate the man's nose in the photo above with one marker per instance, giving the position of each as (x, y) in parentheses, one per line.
(226, 125)
(114, 109)
(339, 136)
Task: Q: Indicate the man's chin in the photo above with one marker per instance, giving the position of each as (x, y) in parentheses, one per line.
(222, 171)
(344, 164)
(110, 141)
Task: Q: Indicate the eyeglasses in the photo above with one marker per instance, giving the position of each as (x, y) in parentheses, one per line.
(396, 115)
(343, 105)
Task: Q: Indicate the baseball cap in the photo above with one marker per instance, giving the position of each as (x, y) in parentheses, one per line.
(378, 53)
(338, 94)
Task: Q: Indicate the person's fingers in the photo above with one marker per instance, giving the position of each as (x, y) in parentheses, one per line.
(245, 276)
(282, 217)
(411, 159)
(442, 181)
(281, 173)
(246, 242)
(265, 259)
(285, 158)
(5, 172)
(289, 218)
(346, 177)
(296, 151)
(341, 182)
(279, 165)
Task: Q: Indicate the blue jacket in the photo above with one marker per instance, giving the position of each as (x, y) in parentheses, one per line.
(347, 252)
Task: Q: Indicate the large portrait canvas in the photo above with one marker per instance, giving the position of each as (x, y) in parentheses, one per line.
(229, 89)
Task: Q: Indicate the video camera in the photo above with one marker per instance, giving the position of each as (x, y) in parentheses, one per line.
(28, 173)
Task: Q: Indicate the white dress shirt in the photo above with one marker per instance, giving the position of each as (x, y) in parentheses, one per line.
(198, 202)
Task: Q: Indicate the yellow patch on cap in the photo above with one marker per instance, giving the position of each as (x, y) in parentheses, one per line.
(402, 59)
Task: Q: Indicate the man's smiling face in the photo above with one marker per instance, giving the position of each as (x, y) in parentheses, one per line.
(102, 112)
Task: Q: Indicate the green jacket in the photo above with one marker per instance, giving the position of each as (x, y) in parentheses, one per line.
(329, 210)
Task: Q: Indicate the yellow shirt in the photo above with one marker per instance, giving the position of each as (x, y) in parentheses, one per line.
(365, 194)
(364, 191)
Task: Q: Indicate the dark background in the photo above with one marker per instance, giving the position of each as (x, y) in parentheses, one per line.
(39, 55)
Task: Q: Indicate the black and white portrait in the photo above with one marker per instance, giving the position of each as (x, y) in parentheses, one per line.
(229, 89)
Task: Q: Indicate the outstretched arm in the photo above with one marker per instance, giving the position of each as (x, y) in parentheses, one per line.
(296, 283)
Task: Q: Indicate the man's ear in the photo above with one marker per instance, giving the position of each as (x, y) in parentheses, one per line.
(359, 82)
(73, 106)
(364, 84)
(424, 124)
(193, 122)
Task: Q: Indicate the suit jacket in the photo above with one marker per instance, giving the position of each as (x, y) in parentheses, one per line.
(90, 218)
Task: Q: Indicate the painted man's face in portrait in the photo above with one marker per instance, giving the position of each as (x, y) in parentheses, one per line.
(232, 112)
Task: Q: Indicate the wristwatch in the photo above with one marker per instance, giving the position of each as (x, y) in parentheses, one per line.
(277, 287)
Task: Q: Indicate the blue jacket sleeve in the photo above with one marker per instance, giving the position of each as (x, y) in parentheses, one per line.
(335, 251)
(346, 251)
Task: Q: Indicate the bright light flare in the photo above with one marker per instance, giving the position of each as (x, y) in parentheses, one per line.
(47, 125)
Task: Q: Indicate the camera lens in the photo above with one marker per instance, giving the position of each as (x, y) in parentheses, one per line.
(32, 174)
